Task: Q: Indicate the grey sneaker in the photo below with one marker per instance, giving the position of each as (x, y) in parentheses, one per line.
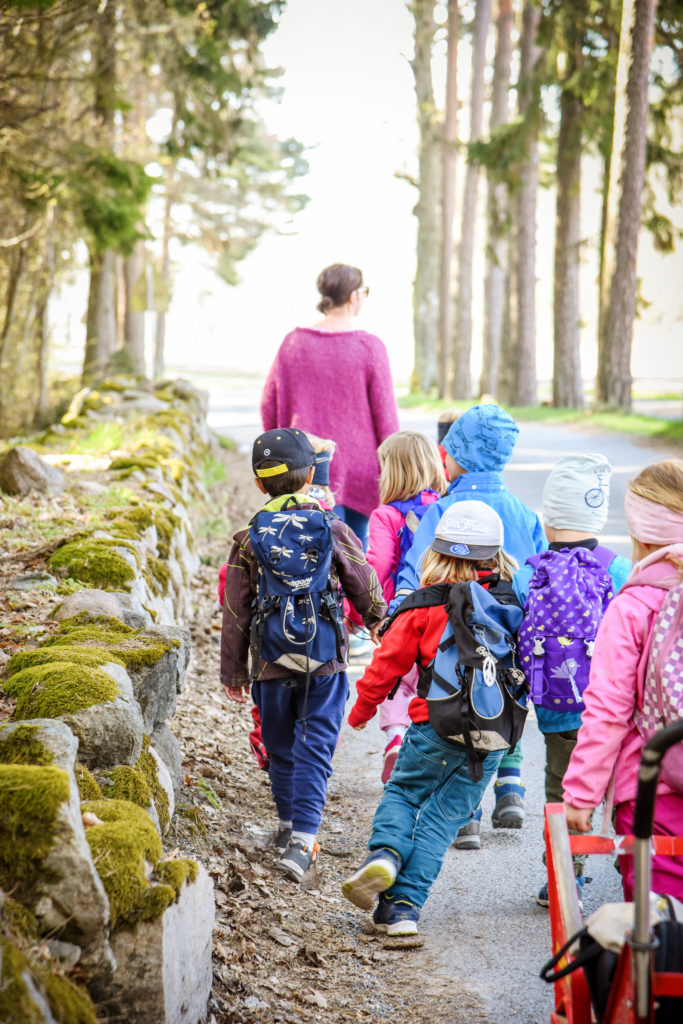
(468, 838)
(280, 840)
(508, 812)
(297, 859)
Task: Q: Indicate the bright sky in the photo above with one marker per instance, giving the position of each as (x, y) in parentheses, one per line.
(348, 96)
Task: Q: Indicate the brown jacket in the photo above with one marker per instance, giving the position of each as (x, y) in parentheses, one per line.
(349, 568)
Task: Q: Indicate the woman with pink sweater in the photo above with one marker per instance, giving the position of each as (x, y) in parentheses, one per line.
(335, 381)
(613, 729)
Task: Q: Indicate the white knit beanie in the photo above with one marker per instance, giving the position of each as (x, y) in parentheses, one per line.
(576, 494)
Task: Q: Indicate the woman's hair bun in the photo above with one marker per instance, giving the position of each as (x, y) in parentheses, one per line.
(336, 284)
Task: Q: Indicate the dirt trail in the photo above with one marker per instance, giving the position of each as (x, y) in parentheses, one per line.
(283, 952)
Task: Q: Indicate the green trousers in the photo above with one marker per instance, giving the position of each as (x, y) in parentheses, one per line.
(558, 750)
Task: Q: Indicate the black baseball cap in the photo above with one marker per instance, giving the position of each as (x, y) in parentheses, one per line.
(288, 447)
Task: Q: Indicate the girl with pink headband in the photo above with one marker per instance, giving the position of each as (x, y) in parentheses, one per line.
(609, 742)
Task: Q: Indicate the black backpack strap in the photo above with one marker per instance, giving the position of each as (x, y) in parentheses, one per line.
(425, 597)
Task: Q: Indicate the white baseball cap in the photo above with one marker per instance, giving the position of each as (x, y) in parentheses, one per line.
(469, 529)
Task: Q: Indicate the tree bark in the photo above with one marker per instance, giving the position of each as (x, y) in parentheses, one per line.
(448, 165)
(426, 284)
(134, 320)
(614, 368)
(100, 342)
(567, 382)
(160, 334)
(497, 249)
(524, 361)
(461, 385)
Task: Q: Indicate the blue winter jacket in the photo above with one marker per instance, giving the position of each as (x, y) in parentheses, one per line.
(523, 532)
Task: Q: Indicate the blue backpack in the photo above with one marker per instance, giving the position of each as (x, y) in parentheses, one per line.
(412, 512)
(475, 691)
(297, 620)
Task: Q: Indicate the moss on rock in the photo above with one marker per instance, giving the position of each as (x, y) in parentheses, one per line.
(21, 745)
(95, 562)
(68, 1003)
(30, 797)
(58, 688)
(88, 788)
(126, 783)
(157, 575)
(123, 644)
(93, 657)
(176, 873)
(121, 848)
(147, 766)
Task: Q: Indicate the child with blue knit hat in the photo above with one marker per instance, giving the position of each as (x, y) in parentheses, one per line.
(478, 447)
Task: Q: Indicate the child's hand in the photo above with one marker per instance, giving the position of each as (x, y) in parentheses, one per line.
(578, 818)
(359, 727)
(235, 693)
(374, 632)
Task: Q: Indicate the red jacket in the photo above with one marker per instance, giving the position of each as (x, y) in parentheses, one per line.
(412, 639)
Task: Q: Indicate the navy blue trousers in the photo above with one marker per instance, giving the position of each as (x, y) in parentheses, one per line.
(300, 768)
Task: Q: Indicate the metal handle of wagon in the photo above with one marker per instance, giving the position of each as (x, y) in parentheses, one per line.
(641, 940)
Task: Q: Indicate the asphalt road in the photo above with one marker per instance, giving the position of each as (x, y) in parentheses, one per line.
(481, 921)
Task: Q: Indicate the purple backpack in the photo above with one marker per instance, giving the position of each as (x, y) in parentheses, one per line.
(662, 701)
(568, 596)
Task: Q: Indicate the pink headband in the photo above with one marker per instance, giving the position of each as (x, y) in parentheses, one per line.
(652, 523)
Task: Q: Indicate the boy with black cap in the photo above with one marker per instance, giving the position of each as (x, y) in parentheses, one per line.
(300, 688)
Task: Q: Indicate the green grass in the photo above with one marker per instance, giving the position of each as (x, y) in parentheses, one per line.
(212, 472)
(670, 431)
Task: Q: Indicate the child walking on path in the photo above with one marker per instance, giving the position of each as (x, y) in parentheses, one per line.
(478, 447)
(411, 479)
(576, 578)
(299, 689)
(621, 700)
(433, 790)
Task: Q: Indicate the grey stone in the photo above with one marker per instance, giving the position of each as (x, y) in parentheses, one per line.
(22, 470)
(115, 604)
(146, 405)
(166, 783)
(110, 733)
(168, 748)
(163, 973)
(67, 952)
(157, 686)
(80, 486)
(31, 580)
(68, 897)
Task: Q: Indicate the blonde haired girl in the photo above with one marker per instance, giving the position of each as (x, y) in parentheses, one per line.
(411, 479)
(610, 739)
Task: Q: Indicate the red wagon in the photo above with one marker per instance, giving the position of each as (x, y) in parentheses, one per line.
(636, 987)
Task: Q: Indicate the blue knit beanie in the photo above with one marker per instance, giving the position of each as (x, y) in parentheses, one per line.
(482, 439)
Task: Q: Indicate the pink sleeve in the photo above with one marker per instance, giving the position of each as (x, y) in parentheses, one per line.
(383, 545)
(610, 700)
(222, 573)
(269, 398)
(381, 395)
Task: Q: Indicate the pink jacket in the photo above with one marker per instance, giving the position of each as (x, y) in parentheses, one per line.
(608, 739)
(384, 545)
(337, 386)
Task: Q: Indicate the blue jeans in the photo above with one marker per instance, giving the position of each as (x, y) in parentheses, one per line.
(356, 521)
(427, 800)
(300, 768)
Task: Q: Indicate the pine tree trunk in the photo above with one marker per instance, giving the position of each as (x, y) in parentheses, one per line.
(448, 165)
(134, 319)
(461, 385)
(497, 248)
(524, 363)
(100, 342)
(614, 370)
(160, 334)
(567, 383)
(426, 285)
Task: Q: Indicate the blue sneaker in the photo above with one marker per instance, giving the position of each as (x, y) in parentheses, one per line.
(377, 873)
(509, 809)
(396, 915)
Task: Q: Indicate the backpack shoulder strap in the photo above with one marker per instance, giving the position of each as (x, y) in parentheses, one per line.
(604, 556)
(425, 597)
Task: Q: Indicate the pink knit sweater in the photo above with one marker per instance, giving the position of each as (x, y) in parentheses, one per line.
(337, 386)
